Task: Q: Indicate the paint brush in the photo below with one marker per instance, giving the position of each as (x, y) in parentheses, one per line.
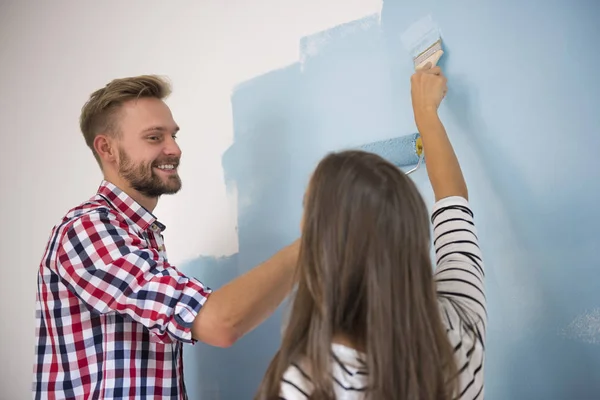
(423, 42)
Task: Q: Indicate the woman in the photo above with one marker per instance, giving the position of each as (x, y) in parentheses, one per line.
(370, 318)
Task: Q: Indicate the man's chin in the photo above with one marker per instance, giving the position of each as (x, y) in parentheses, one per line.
(172, 187)
(167, 188)
(171, 183)
(171, 191)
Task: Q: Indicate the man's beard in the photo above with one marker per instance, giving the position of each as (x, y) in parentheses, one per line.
(143, 178)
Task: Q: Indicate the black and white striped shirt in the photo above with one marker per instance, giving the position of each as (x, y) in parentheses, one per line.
(459, 278)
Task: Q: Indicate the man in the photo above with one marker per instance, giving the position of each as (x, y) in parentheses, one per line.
(112, 313)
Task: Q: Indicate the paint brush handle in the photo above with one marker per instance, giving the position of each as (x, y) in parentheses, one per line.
(433, 59)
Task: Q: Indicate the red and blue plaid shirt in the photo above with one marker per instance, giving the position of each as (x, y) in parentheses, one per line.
(111, 312)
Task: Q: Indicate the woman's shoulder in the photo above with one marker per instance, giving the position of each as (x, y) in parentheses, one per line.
(349, 375)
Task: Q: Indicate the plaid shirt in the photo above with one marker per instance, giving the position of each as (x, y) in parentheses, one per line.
(111, 312)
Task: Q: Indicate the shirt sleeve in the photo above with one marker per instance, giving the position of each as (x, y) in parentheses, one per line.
(112, 270)
(459, 278)
(459, 272)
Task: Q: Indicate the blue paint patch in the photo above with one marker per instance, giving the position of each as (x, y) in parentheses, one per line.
(524, 124)
(205, 365)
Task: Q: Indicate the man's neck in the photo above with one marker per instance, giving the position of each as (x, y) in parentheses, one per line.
(149, 203)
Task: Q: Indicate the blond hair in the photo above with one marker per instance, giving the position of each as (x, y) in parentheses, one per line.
(98, 115)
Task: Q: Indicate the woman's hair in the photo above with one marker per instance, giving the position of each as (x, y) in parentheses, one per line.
(364, 272)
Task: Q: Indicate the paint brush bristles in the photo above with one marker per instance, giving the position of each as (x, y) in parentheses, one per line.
(423, 42)
(431, 54)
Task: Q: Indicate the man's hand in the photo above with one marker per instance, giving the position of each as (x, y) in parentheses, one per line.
(428, 88)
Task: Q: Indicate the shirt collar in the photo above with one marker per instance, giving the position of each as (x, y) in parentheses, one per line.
(125, 204)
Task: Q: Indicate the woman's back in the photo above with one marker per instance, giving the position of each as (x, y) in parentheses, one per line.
(459, 284)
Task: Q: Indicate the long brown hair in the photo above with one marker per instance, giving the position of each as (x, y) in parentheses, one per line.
(364, 271)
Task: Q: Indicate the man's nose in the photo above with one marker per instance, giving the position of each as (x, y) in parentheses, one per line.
(172, 148)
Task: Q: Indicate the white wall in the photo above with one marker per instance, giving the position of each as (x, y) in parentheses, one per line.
(54, 54)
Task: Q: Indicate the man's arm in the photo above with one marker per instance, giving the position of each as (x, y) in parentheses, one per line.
(244, 303)
(111, 270)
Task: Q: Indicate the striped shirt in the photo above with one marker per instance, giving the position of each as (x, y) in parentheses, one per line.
(459, 278)
(111, 311)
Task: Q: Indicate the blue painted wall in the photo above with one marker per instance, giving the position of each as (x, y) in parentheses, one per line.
(523, 111)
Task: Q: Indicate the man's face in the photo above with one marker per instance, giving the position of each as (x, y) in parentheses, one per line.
(148, 153)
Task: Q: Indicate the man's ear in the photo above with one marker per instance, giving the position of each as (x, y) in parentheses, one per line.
(105, 148)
